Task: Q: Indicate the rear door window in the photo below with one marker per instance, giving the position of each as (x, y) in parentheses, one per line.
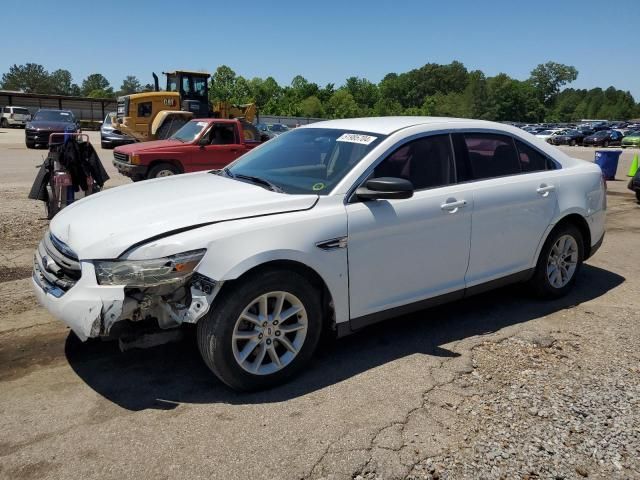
(485, 155)
(531, 160)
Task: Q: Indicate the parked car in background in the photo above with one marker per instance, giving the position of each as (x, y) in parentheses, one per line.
(13, 116)
(632, 139)
(109, 136)
(603, 138)
(201, 144)
(48, 121)
(546, 134)
(586, 131)
(278, 128)
(329, 228)
(567, 137)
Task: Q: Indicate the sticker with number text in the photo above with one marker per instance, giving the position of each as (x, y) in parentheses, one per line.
(356, 138)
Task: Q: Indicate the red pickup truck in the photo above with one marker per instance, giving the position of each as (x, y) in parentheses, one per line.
(201, 144)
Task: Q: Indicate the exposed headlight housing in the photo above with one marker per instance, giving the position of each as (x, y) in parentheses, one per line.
(148, 273)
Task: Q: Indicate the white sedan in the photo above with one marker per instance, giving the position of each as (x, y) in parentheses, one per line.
(332, 226)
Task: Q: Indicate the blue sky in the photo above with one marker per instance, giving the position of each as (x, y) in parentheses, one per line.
(325, 41)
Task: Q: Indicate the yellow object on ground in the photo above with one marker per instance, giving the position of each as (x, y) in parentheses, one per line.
(633, 169)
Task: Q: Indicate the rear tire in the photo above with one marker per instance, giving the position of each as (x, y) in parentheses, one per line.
(163, 170)
(30, 144)
(4, 123)
(225, 335)
(559, 262)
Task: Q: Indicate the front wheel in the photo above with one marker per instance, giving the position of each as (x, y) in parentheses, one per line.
(163, 170)
(559, 262)
(573, 143)
(261, 331)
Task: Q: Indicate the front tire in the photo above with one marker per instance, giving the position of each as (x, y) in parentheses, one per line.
(559, 262)
(262, 331)
(30, 144)
(163, 170)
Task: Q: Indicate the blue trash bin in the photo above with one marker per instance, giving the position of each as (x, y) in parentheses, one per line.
(608, 162)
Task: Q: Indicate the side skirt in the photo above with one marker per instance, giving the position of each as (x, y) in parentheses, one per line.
(359, 323)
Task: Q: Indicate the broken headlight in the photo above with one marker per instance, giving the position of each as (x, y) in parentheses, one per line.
(148, 273)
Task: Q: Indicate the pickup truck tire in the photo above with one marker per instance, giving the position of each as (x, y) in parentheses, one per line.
(559, 262)
(30, 144)
(262, 331)
(163, 170)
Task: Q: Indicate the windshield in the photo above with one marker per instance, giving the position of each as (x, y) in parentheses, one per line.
(54, 116)
(545, 132)
(307, 160)
(21, 111)
(108, 120)
(189, 131)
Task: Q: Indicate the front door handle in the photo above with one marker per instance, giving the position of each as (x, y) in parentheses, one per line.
(545, 189)
(453, 205)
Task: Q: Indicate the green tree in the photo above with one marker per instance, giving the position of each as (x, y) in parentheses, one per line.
(547, 79)
(311, 107)
(30, 78)
(342, 105)
(60, 83)
(223, 84)
(363, 92)
(130, 85)
(97, 86)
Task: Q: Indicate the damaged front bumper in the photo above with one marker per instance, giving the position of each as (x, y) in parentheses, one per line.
(91, 310)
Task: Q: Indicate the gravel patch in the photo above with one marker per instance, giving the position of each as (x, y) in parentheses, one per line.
(564, 408)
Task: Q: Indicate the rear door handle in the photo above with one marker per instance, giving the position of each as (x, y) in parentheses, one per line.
(545, 189)
(453, 206)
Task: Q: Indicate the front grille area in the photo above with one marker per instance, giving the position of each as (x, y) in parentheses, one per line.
(41, 136)
(121, 157)
(55, 268)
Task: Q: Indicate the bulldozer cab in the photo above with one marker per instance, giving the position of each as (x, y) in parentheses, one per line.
(193, 88)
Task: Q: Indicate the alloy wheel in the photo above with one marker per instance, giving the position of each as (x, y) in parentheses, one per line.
(269, 333)
(562, 261)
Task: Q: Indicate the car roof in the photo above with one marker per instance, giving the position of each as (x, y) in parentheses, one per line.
(388, 125)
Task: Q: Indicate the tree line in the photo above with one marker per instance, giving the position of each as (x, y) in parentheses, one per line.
(433, 89)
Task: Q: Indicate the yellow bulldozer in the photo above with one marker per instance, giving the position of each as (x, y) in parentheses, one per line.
(159, 114)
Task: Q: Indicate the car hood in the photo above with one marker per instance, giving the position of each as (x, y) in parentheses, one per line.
(108, 223)
(44, 125)
(153, 145)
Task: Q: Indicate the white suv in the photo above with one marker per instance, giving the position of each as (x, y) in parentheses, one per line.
(14, 116)
(331, 226)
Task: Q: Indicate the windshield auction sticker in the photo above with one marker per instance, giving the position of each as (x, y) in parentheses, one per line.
(356, 138)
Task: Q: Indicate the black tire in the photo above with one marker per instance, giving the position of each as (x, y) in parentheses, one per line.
(4, 123)
(215, 330)
(160, 170)
(638, 195)
(573, 143)
(540, 282)
(30, 144)
(605, 144)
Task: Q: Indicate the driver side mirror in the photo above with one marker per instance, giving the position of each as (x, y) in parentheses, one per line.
(385, 188)
(204, 141)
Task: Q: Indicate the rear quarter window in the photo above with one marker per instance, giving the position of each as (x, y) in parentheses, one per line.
(531, 160)
(490, 155)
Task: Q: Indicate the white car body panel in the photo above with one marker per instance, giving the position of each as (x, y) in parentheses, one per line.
(397, 252)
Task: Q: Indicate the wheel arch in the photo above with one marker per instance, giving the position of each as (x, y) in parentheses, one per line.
(571, 218)
(316, 280)
(170, 161)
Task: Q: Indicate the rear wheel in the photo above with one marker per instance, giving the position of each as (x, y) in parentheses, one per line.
(263, 331)
(163, 170)
(4, 123)
(638, 195)
(559, 262)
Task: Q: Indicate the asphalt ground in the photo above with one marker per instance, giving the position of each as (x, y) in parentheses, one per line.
(374, 405)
